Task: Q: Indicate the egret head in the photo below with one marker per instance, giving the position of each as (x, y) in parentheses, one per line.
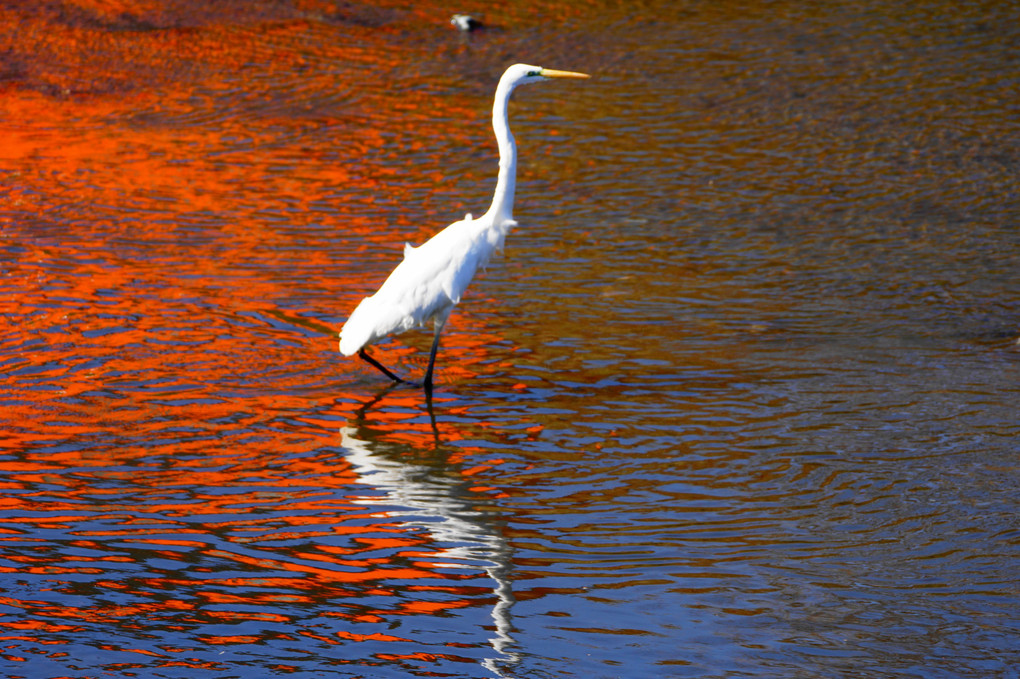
(520, 74)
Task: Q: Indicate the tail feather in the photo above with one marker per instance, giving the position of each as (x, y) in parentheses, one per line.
(357, 332)
(373, 319)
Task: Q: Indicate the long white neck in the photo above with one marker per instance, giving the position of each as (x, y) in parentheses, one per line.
(502, 209)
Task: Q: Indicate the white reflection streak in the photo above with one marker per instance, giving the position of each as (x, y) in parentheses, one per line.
(432, 496)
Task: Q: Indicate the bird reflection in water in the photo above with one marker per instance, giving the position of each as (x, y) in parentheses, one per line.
(423, 490)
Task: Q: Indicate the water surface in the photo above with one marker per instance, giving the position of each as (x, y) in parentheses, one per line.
(740, 400)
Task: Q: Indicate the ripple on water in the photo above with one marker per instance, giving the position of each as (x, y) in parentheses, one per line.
(737, 402)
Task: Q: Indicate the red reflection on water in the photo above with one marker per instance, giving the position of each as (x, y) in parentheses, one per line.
(166, 194)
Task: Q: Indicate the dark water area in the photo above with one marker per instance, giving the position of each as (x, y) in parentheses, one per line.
(739, 401)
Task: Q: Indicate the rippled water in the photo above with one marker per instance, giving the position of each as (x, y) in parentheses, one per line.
(741, 399)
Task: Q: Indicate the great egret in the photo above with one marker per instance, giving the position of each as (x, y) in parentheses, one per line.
(430, 280)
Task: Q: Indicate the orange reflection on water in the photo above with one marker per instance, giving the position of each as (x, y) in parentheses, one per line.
(180, 179)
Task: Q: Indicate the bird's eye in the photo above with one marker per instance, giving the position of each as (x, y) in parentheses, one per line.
(534, 74)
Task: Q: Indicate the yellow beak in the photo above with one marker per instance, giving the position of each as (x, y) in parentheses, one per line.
(550, 73)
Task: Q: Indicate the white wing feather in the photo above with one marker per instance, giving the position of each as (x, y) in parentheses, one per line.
(427, 284)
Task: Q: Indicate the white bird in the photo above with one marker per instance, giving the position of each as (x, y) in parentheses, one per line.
(431, 279)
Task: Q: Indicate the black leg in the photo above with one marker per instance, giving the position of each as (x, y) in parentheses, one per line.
(379, 366)
(432, 357)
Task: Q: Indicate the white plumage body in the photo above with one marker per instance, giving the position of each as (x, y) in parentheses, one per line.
(427, 284)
